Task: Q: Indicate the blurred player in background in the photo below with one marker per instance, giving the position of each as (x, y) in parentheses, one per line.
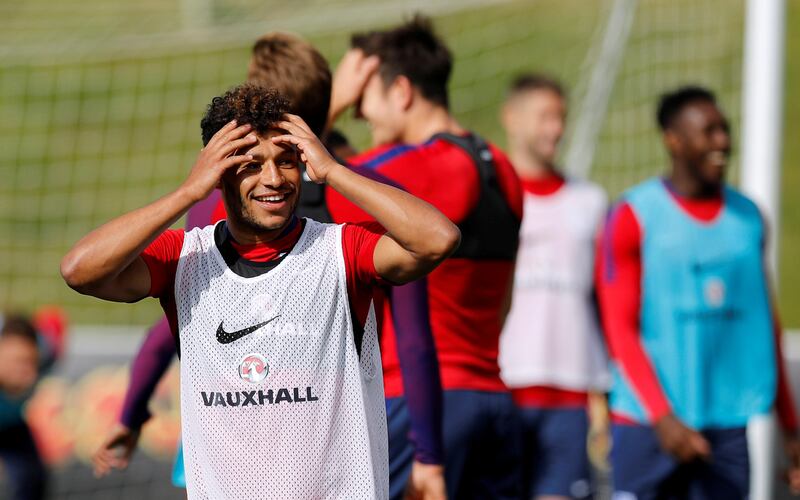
(551, 351)
(419, 145)
(27, 350)
(687, 308)
(296, 69)
(322, 403)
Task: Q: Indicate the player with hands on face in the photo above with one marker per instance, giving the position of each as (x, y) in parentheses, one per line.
(292, 360)
(396, 79)
(297, 70)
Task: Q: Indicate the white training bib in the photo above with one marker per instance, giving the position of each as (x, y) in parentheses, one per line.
(275, 401)
(551, 336)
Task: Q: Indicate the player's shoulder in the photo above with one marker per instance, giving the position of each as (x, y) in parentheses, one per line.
(199, 230)
(738, 198)
(313, 228)
(381, 156)
(196, 239)
(621, 215)
(361, 227)
(498, 153)
(743, 207)
(643, 188)
(586, 189)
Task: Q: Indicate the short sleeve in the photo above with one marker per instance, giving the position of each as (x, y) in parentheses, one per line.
(161, 257)
(358, 246)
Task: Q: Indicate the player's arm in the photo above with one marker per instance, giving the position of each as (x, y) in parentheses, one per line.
(418, 236)
(147, 368)
(619, 292)
(785, 408)
(419, 365)
(784, 401)
(106, 263)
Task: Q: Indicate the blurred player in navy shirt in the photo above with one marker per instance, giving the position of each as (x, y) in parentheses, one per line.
(419, 145)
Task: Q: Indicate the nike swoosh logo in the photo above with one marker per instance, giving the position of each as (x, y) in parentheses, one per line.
(224, 337)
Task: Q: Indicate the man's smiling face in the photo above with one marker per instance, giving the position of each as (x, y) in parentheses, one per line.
(261, 196)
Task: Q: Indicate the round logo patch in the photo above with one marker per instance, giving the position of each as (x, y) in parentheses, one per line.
(714, 291)
(253, 368)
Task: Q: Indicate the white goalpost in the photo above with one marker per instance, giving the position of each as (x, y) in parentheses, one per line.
(762, 124)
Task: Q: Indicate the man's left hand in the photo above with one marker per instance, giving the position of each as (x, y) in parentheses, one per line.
(791, 444)
(319, 162)
(426, 483)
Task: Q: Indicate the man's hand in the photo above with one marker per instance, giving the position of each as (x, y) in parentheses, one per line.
(426, 483)
(791, 445)
(218, 156)
(319, 163)
(116, 450)
(683, 443)
(351, 76)
(418, 237)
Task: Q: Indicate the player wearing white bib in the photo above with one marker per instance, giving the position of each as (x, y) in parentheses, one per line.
(551, 353)
(281, 388)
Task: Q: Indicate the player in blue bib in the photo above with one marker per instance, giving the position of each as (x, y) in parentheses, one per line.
(687, 310)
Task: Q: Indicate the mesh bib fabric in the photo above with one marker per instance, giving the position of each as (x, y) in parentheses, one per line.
(551, 336)
(275, 400)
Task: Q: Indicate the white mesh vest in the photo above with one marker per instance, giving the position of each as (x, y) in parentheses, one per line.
(282, 407)
(551, 336)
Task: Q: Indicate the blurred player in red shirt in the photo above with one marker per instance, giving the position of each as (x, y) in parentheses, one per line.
(551, 351)
(419, 145)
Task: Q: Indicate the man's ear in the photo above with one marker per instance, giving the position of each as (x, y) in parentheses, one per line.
(672, 142)
(508, 117)
(403, 91)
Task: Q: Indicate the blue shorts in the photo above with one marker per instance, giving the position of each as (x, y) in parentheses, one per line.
(642, 471)
(554, 452)
(481, 445)
(178, 471)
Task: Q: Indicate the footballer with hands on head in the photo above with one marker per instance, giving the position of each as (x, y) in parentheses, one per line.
(270, 352)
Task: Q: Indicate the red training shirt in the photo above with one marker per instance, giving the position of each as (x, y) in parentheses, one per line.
(465, 295)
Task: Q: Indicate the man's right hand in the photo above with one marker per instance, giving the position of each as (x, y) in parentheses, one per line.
(218, 156)
(116, 450)
(351, 76)
(683, 443)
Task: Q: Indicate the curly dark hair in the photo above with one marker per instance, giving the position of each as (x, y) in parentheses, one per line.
(258, 106)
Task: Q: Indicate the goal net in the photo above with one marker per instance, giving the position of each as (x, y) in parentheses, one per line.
(101, 101)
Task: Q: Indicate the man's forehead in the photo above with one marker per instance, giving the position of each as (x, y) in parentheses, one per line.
(266, 148)
(699, 112)
(535, 98)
